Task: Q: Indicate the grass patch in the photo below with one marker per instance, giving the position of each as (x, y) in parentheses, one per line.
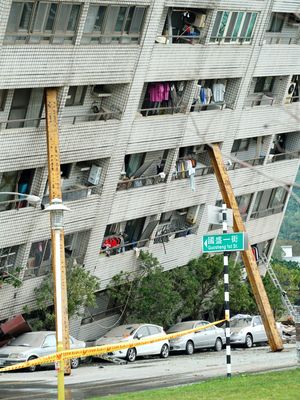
(268, 386)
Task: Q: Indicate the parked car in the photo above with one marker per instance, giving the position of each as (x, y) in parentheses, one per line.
(246, 330)
(211, 337)
(125, 333)
(33, 345)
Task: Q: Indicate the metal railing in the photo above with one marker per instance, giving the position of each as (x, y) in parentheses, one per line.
(73, 194)
(100, 116)
(121, 248)
(231, 40)
(211, 107)
(266, 213)
(253, 162)
(73, 119)
(110, 38)
(283, 156)
(38, 37)
(198, 172)
(180, 39)
(147, 112)
(260, 101)
(280, 39)
(165, 237)
(14, 204)
(131, 183)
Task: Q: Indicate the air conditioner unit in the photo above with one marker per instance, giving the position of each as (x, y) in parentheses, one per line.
(95, 174)
(200, 20)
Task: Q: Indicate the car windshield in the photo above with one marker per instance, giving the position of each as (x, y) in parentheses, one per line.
(26, 340)
(121, 331)
(181, 327)
(240, 323)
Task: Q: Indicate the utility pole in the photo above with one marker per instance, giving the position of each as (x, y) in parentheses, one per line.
(226, 295)
(255, 280)
(56, 209)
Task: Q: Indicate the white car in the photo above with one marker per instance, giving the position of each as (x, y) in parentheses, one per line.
(31, 345)
(125, 333)
(246, 330)
(211, 337)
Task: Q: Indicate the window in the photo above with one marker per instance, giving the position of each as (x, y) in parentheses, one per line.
(278, 197)
(40, 22)
(154, 330)
(240, 145)
(26, 108)
(76, 95)
(3, 94)
(276, 23)
(264, 84)
(7, 259)
(142, 332)
(233, 27)
(105, 24)
(256, 321)
(50, 341)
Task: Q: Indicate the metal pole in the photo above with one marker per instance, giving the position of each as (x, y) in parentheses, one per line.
(226, 295)
(59, 308)
(297, 325)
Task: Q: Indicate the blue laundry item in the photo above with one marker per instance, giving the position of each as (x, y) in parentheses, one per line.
(192, 182)
(203, 96)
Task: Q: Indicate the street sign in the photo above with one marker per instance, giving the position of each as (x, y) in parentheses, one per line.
(224, 242)
(215, 215)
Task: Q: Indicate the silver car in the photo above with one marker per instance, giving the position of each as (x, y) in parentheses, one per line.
(33, 345)
(125, 333)
(211, 337)
(246, 330)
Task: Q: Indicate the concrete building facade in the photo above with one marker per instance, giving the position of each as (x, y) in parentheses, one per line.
(144, 86)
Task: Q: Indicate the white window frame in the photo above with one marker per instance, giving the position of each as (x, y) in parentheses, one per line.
(237, 39)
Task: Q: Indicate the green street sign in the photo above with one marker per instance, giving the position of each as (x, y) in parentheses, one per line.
(224, 242)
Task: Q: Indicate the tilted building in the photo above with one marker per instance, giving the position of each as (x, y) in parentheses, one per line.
(144, 86)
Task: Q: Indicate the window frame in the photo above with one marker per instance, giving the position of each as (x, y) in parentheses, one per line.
(108, 34)
(82, 96)
(3, 97)
(29, 36)
(236, 28)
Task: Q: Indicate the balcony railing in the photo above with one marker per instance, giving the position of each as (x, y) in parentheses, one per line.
(130, 183)
(253, 162)
(75, 193)
(198, 172)
(180, 39)
(15, 204)
(72, 119)
(269, 211)
(231, 40)
(147, 112)
(280, 39)
(283, 156)
(173, 233)
(112, 38)
(260, 100)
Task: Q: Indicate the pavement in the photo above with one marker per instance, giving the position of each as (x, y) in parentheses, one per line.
(104, 378)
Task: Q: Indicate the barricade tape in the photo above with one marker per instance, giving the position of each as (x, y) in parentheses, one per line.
(97, 350)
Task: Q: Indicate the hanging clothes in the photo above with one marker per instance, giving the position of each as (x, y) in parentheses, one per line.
(192, 178)
(218, 92)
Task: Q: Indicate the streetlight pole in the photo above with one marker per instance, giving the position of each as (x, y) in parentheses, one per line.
(56, 210)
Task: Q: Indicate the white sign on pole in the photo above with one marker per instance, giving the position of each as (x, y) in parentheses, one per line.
(215, 215)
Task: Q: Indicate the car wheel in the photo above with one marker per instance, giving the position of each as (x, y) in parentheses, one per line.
(164, 352)
(189, 348)
(218, 344)
(131, 355)
(75, 363)
(32, 368)
(248, 341)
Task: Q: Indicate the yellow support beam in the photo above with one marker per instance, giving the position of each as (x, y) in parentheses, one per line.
(255, 280)
(54, 182)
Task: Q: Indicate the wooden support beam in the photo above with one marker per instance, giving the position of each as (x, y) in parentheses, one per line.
(54, 182)
(255, 280)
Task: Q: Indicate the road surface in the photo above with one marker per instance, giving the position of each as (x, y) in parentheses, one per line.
(103, 378)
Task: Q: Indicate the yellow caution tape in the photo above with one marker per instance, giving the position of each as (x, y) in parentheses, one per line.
(97, 350)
